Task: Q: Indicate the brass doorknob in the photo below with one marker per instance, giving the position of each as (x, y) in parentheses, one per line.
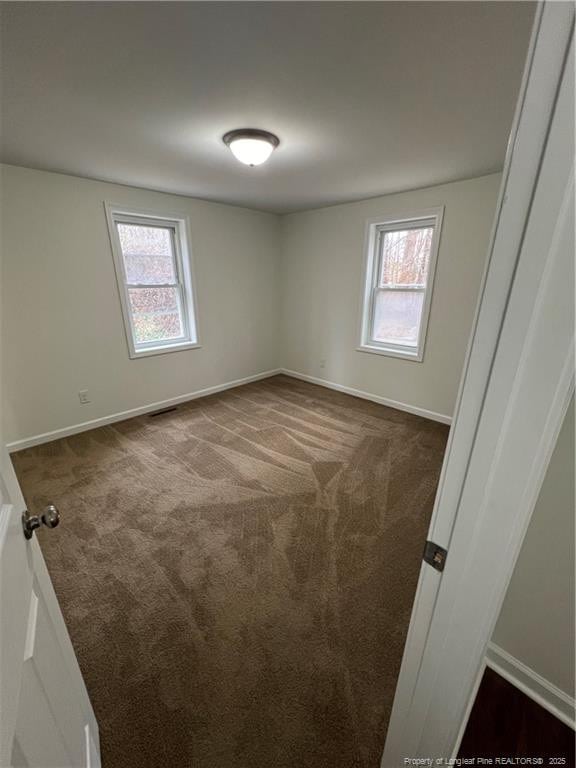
(50, 517)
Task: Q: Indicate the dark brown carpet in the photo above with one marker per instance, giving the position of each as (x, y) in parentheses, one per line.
(237, 575)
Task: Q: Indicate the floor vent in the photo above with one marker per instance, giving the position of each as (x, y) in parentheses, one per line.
(162, 412)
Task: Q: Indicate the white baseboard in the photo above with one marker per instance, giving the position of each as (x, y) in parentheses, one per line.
(46, 437)
(532, 684)
(368, 396)
(74, 429)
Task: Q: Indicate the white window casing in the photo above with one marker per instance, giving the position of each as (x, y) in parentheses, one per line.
(181, 282)
(373, 288)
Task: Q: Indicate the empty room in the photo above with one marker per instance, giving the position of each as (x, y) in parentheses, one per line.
(287, 473)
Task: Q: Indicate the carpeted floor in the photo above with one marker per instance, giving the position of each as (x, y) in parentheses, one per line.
(237, 575)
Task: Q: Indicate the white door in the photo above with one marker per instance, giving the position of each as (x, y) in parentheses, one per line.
(46, 720)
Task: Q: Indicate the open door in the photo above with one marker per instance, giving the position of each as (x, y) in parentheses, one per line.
(46, 719)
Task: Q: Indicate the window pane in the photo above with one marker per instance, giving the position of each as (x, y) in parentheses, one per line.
(397, 317)
(405, 256)
(155, 314)
(147, 253)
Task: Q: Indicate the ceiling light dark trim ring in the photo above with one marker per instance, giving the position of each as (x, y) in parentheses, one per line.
(250, 133)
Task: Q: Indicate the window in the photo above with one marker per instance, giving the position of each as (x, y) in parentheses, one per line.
(154, 280)
(400, 262)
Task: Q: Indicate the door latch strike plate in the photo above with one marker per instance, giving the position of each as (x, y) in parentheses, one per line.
(435, 555)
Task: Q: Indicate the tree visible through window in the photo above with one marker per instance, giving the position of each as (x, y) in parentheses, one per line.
(398, 277)
(155, 285)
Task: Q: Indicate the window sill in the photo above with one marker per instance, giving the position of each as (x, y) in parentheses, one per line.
(416, 356)
(163, 349)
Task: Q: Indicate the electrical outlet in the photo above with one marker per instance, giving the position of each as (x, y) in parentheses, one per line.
(83, 396)
(322, 363)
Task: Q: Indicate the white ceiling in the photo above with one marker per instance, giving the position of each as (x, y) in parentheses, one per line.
(367, 97)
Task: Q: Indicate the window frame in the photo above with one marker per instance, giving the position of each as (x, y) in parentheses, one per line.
(185, 283)
(429, 217)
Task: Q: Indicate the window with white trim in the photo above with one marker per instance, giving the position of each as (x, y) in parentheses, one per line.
(400, 264)
(154, 275)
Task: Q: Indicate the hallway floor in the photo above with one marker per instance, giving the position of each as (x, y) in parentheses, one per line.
(237, 575)
(504, 722)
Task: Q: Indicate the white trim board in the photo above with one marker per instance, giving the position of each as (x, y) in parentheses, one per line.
(369, 396)
(539, 689)
(84, 426)
(74, 429)
(512, 400)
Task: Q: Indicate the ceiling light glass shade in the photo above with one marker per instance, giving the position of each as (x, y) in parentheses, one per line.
(251, 151)
(251, 146)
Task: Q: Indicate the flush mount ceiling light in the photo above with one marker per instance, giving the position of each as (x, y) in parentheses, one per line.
(250, 145)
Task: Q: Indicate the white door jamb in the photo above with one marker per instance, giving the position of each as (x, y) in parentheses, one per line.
(516, 385)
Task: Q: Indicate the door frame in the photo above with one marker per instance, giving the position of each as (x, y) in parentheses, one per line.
(454, 614)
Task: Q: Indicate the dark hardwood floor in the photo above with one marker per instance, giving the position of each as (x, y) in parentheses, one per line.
(506, 723)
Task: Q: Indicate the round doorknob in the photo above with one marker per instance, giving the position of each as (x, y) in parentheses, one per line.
(50, 517)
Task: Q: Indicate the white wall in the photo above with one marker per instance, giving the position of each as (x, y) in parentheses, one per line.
(272, 292)
(536, 623)
(321, 275)
(62, 324)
